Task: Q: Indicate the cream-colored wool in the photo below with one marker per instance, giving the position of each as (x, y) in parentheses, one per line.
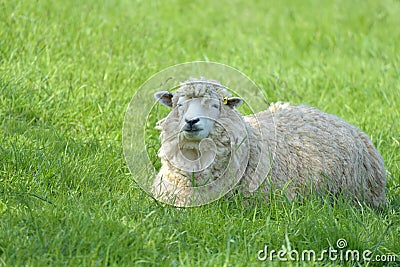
(297, 148)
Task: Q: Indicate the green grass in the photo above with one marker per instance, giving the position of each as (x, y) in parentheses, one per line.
(68, 70)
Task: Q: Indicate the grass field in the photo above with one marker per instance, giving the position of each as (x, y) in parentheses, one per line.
(68, 70)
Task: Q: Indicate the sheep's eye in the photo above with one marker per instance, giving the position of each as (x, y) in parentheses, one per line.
(179, 105)
(215, 105)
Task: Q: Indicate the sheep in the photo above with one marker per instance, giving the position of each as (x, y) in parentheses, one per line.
(209, 148)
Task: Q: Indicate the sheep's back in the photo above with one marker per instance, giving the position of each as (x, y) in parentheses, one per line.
(315, 151)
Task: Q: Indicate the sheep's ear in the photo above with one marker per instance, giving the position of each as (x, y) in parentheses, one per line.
(233, 102)
(164, 98)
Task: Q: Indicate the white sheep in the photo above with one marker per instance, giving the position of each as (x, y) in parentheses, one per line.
(208, 148)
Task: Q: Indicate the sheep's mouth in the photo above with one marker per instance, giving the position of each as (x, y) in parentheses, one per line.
(192, 132)
(192, 129)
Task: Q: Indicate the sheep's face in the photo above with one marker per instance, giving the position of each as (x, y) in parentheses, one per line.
(197, 115)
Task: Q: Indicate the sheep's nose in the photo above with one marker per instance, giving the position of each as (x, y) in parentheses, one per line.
(192, 121)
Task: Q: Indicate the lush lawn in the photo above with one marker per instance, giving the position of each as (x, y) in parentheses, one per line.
(68, 70)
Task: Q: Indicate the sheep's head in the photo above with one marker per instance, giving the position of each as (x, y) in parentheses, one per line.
(199, 104)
